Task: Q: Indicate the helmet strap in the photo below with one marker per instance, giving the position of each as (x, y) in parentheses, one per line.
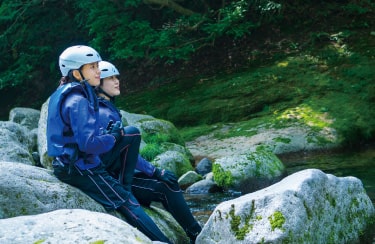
(100, 90)
(80, 72)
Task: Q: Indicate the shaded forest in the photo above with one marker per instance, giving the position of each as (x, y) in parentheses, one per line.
(155, 43)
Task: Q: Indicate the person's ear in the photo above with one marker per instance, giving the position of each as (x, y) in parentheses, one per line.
(77, 74)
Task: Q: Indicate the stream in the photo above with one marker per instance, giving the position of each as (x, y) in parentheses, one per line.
(358, 163)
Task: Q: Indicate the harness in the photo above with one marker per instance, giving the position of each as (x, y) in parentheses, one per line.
(66, 140)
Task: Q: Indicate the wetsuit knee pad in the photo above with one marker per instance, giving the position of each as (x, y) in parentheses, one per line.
(131, 130)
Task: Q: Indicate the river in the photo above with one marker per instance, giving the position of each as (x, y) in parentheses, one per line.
(357, 163)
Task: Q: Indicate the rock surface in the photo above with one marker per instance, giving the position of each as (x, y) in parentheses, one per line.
(69, 226)
(306, 207)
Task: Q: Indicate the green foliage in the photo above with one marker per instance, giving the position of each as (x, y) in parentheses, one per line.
(359, 7)
(155, 141)
(189, 134)
(222, 178)
(138, 30)
(150, 151)
(172, 136)
(147, 38)
(30, 29)
(311, 87)
(32, 35)
(231, 21)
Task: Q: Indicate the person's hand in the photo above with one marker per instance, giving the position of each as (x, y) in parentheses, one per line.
(165, 176)
(109, 126)
(116, 130)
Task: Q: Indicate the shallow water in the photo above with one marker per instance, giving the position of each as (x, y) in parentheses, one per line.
(359, 163)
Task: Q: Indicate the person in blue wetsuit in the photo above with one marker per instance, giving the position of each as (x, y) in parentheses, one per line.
(148, 183)
(75, 139)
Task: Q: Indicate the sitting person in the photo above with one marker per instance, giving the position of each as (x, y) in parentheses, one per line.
(148, 183)
(75, 140)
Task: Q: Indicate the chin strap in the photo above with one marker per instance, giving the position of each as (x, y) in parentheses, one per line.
(100, 90)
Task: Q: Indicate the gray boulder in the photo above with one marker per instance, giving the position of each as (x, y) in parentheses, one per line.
(248, 172)
(306, 207)
(204, 167)
(69, 226)
(27, 117)
(292, 137)
(28, 190)
(174, 161)
(16, 143)
(188, 179)
(45, 160)
(207, 185)
(132, 119)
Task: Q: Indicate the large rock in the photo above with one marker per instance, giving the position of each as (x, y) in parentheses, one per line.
(27, 117)
(16, 143)
(69, 226)
(174, 161)
(292, 137)
(248, 172)
(306, 207)
(45, 160)
(28, 190)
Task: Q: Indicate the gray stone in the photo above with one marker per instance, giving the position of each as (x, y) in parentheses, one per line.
(28, 190)
(203, 187)
(27, 117)
(69, 226)
(174, 161)
(204, 167)
(306, 207)
(16, 143)
(188, 179)
(248, 172)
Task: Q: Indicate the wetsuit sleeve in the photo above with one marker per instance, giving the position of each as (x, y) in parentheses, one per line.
(85, 126)
(144, 166)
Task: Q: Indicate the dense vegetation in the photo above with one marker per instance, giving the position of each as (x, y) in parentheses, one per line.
(203, 62)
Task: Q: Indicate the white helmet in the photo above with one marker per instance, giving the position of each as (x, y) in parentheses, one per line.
(76, 56)
(107, 69)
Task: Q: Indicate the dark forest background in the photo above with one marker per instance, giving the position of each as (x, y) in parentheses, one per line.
(159, 43)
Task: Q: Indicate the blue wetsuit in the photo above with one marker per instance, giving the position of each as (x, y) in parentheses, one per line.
(145, 186)
(75, 139)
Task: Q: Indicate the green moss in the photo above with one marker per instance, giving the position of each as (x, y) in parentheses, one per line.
(39, 241)
(240, 232)
(331, 200)
(24, 211)
(307, 115)
(159, 135)
(308, 211)
(150, 151)
(222, 178)
(355, 202)
(276, 220)
(98, 242)
(282, 140)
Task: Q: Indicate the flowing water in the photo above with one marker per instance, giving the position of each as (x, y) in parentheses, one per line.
(359, 163)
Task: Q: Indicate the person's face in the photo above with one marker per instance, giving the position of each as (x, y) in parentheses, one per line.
(111, 86)
(91, 72)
